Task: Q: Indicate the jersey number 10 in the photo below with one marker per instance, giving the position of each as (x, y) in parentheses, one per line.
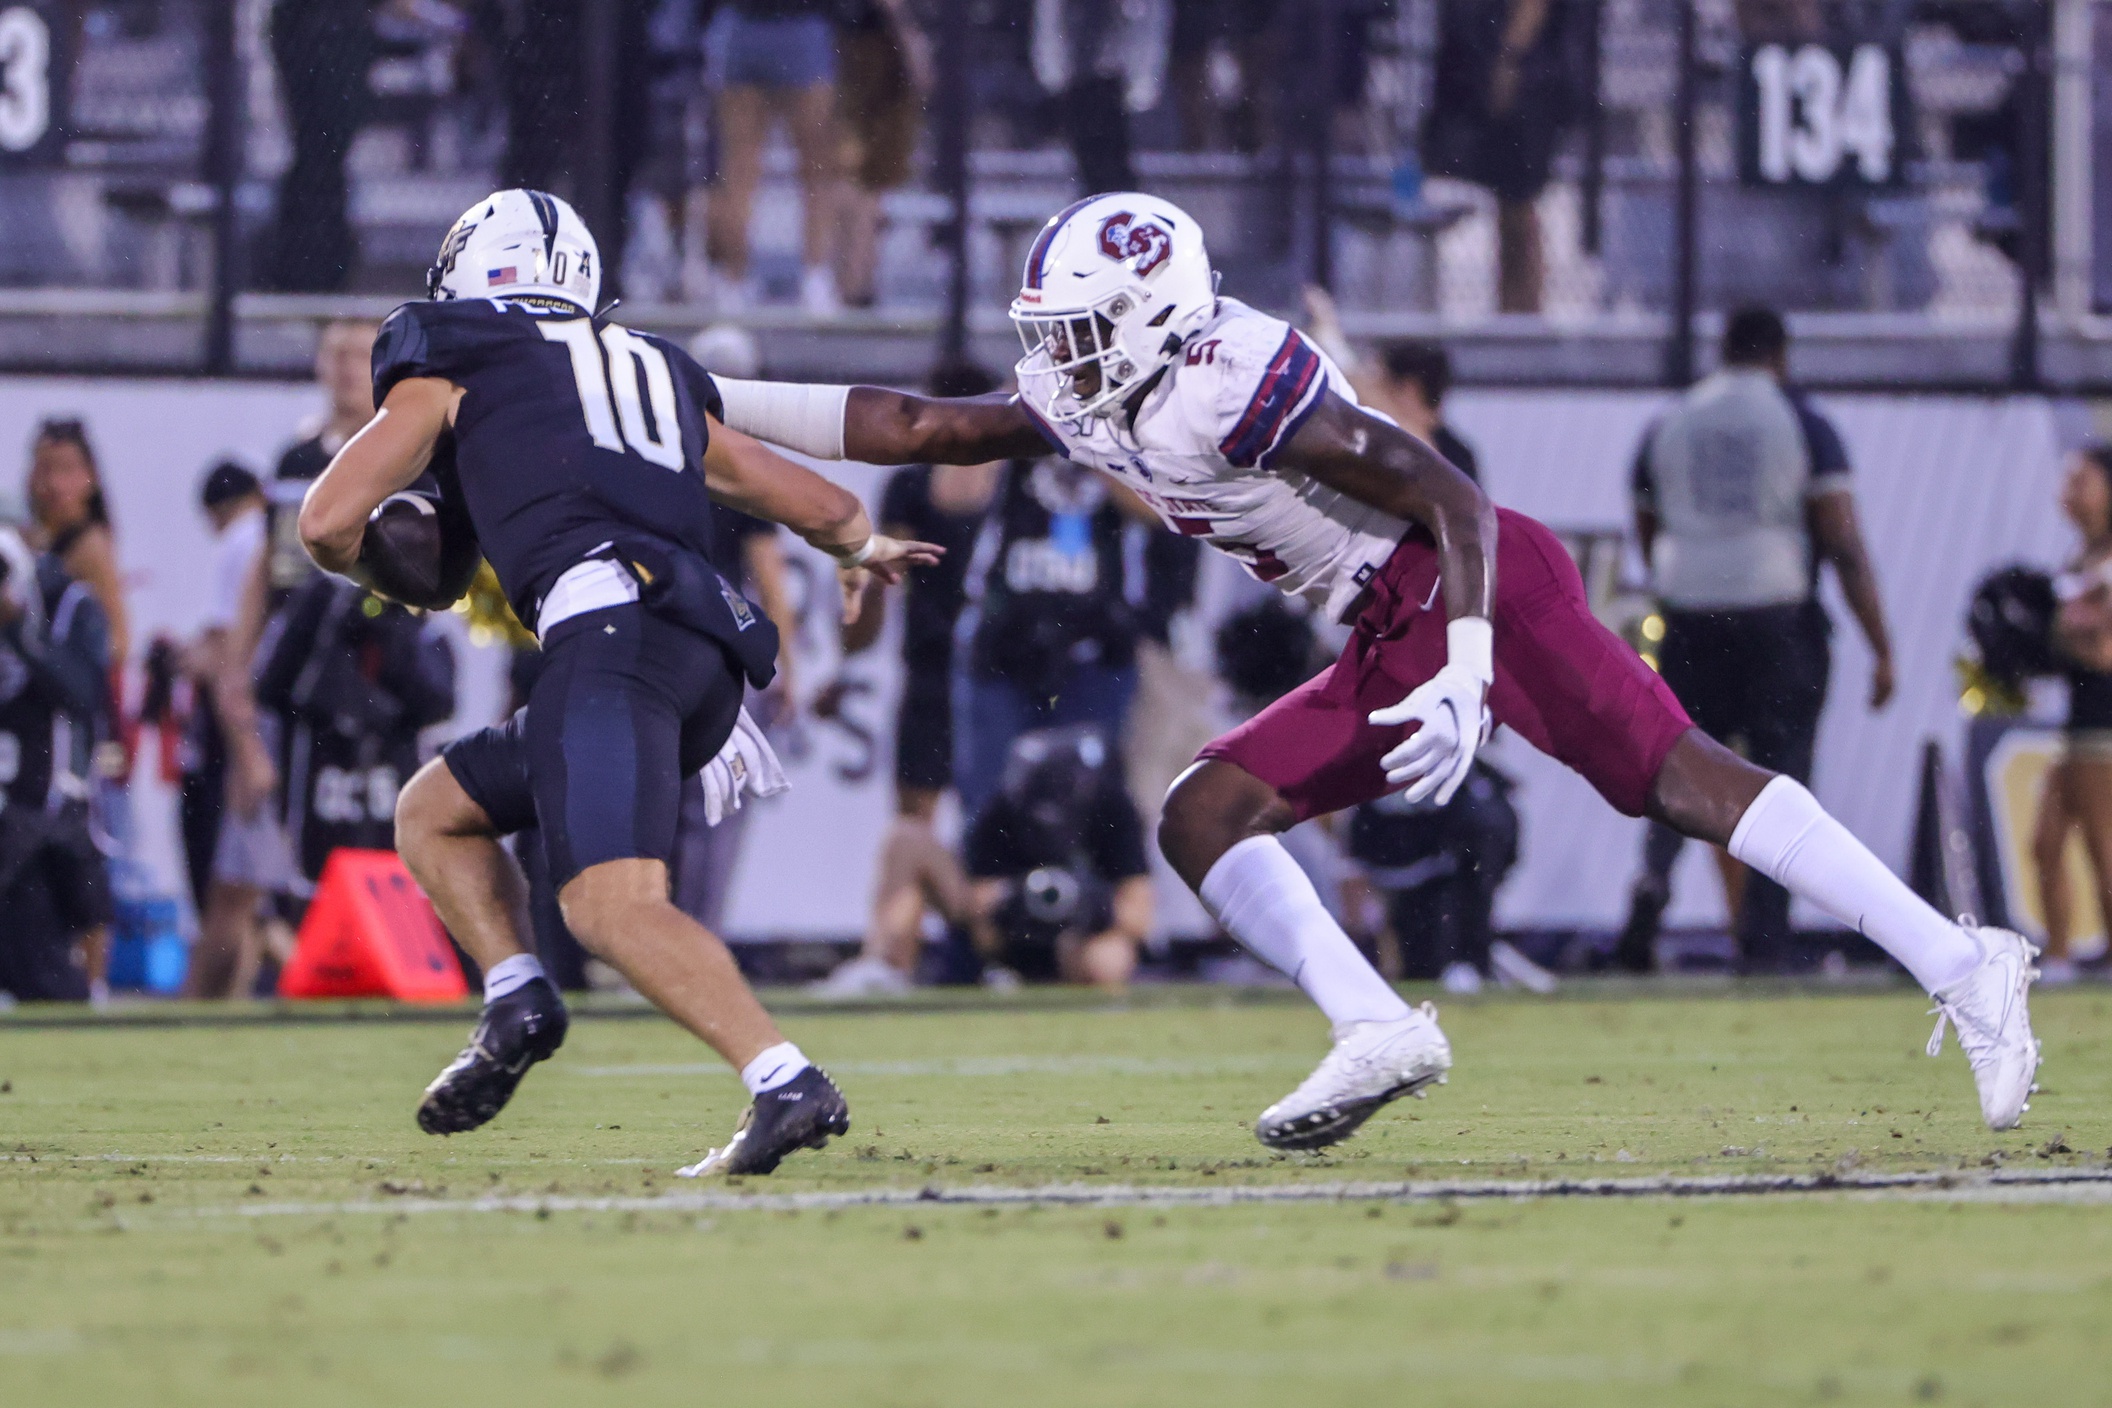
(645, 390)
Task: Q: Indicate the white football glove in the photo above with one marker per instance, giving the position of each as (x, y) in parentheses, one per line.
(746, 766)
(1453, 711)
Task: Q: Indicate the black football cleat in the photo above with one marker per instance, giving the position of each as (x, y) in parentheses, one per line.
(800, 1114)
(525, 1026)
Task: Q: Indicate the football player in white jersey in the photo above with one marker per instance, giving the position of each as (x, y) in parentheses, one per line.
(1235, 429)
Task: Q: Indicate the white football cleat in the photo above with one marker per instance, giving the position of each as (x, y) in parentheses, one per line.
(863, 977)
(1990, 1007)
(1372, 1064)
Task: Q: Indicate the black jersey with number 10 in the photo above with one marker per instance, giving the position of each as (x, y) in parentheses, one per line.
(574, 432)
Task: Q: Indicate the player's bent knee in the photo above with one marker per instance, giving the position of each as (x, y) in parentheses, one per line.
(605, 902)
(1212, 807)
(433, 804)
(1703, 788)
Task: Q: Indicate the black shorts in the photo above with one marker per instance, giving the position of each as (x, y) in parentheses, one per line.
(1755, 677)
(78, 872)
(625, 707)
(54, 887)
(924, 732)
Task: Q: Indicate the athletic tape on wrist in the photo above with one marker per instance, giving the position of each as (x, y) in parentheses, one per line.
(1470, 643)
(794, 415)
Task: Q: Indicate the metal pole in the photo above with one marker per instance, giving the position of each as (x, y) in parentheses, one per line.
(223, 171)
(1679, 348)
(1322, 131)
(2073, 177)
(1594, 122)
(2032, 157)
(951, 135)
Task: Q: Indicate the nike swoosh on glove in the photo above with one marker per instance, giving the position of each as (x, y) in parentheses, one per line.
(746, 765)
(1452, 710)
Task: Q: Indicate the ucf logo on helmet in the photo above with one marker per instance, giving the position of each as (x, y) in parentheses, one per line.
(1122, 238)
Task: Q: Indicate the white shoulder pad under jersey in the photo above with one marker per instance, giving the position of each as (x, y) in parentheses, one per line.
(1200, 454)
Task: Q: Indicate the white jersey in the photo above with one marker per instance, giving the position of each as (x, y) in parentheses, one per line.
(1200, 449)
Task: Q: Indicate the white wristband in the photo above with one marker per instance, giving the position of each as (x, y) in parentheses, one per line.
(795, 415)
(865, 552)
(1470, 643)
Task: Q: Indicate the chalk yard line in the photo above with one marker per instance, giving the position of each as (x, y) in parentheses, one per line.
(2079, 1185)
(997, 1066)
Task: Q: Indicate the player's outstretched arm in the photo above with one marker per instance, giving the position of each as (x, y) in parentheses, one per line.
(877, 426)
(1376, 462)
(743, 473)
(385, 458)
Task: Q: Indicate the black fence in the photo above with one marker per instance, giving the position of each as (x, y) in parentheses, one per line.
(1568, 190)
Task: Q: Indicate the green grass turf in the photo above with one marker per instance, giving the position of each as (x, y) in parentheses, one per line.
(128, 1273)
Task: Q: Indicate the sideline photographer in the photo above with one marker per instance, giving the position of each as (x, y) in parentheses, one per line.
(1062, 886)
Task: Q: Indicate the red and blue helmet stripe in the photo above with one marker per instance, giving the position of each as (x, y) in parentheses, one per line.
(1038, 256)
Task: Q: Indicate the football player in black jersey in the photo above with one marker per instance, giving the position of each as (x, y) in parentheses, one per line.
(588, 457)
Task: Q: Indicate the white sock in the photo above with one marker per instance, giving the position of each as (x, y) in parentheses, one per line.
(1788, 837)
(773, 1067)
(508, 974)
(1264, 900)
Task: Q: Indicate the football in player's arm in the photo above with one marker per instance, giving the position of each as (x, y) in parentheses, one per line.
(396, 446)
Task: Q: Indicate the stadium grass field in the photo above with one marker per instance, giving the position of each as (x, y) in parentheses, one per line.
(243, 1212)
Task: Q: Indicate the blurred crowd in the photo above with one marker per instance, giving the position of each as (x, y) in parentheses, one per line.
(286, 720)
(701, 87)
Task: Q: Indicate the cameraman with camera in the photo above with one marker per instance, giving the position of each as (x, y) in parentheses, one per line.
(1062, 886)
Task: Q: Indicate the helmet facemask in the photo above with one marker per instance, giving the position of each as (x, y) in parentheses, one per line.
(1084, 349)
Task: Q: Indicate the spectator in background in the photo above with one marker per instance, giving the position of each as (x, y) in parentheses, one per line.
(249, 860)
(1502, 91)
(323, 50)
(1410, 386)
(54, 882)
(1407, 380)
(74, 530)
(2078, 794)
(1062, 886)
(1100, 61)
(1205, 35)
(1052, 636)
(541, 50)
(1741, 491)
(884, 67)
(344, 353)
(943, 504)
(773, 61)
(73, 521)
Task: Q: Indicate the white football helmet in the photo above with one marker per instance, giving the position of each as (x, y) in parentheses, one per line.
(1114, 286)
(518, 242)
